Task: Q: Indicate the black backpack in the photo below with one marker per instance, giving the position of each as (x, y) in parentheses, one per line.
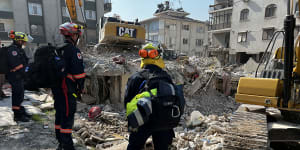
(47, 69)
(168, 104)
(4, 68)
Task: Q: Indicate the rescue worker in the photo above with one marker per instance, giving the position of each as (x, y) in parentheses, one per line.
(152, 61)
(17, 61)
(73, 81)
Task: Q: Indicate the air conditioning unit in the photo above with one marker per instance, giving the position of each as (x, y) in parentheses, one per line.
(246, 1)
(297, 15)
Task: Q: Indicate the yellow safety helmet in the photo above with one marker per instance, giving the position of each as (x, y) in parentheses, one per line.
(20, 36)
(150, 55)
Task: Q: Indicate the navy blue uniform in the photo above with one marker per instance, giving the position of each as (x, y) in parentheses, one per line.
(17, 61)
(65, 96)
(161, 139)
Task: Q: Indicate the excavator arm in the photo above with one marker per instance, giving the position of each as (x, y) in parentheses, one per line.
(72, 6)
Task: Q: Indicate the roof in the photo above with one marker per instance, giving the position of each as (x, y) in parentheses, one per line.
(186, 19)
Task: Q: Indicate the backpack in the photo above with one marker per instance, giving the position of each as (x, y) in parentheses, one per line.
(47, 69)
(168, 104)
(4, 60)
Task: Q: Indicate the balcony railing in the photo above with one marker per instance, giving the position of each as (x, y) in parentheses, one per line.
(219, 26)
(107, 6)
(222, 5)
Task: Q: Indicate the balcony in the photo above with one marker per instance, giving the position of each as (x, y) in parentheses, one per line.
(221, 5)
(107, 6)
(219, 26)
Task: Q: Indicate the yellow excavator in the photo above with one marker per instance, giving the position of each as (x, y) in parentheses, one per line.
(278, 87)
(114, 33)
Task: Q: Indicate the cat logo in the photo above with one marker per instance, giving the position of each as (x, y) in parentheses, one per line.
(126, 32)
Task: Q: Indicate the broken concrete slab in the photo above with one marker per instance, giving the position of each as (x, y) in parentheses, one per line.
(47, 106)
(6, 116)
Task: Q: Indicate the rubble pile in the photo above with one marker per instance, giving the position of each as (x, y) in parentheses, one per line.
(202, 133)
(105, 131)
(109, 64)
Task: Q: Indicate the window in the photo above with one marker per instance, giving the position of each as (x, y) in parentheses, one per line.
(199, 42)
(154, 37)
(200, 30)
(2, 28)
(171, 42)
(35, 9)
(107, 1)
(270, 10)
(244, 14)
(91, 0)
(185, 41)
(268, 33)
(172, 27)
(37, 30)
(65, 12)
(242, 37)
(90, 14)
(186, 27)
(154, 26)
(297, 30)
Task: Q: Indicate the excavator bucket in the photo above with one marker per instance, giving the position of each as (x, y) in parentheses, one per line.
(117, 31)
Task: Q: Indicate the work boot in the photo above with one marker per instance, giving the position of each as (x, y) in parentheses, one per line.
(23, 111)
(19, 116)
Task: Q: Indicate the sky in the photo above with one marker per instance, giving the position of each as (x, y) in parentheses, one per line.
(129, 10)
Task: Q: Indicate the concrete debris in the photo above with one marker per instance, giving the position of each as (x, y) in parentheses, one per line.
(206, 136)
(47, 106)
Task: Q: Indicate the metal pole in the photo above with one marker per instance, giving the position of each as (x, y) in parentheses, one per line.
(289, 25)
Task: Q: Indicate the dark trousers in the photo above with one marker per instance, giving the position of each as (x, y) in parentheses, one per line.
(161, 139)
(65, 107)
(17, 86)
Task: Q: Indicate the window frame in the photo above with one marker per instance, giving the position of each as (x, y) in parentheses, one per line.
(200, 29)
(242, 37)
(186, 27)
(268, 37)
(185, 41)
(270, 11)
(199, 42)
(92, 13)
(244, 15)
(38, 32)
(39, 9)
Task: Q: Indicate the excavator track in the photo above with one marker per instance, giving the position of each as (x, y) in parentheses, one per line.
(247, 131)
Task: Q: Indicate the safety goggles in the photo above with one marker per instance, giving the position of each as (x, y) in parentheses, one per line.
(148, 53)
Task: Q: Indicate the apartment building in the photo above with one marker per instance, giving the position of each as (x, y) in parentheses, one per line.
(253, 25)
(245, 27)
(219, 29)
(176, 30)
(41, 18)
